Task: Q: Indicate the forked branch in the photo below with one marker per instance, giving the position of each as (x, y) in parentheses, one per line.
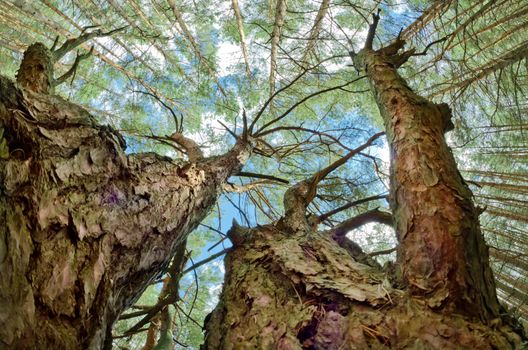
(73, 69)
(323, 173)
(71, 44)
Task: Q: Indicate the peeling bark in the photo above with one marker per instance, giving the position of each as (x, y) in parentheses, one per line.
(442, 254)
(289, 291)
(85, 227)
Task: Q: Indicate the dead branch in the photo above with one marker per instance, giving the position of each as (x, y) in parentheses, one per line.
(71, 44)
(73, 69)
(205, 261)
(175, 271)
(372, 30)
(230, 187)
(349, 205)
(301, 101)
(262, 176)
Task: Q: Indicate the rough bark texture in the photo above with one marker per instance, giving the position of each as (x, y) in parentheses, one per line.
(288, 291)
(442, 254)
(36, 69)
(84, 227)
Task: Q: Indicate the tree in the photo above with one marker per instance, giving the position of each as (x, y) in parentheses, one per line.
(95, 212)
(289, 286)
(86, 227)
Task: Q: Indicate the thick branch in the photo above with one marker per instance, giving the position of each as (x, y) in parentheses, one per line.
(320, 175)
(383, 252)
(349, 205)
(323, 9)
(357, 221)
(73, 68)
(298, 197)
(175, 272)
(262, 176)
(230, 187)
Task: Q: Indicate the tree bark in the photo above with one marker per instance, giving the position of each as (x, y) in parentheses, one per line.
(84, 227)
(283, 291)
(442, 255)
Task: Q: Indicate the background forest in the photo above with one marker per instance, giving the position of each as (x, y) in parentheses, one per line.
(198, 66)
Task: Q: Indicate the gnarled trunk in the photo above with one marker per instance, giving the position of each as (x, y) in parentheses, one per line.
(84, 227)
(289, 291)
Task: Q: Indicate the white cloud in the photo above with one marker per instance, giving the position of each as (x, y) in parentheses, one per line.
(229, 55)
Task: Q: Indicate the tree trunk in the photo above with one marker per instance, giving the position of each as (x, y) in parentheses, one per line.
(84, 228)
(288, 291)
(442, 254)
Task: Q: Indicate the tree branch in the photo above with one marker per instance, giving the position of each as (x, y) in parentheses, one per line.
(230, 187)
(194, 152)
(73, 69)
(178, 126)
(280, 12)
(262, 176)
(205, 261)
(374, 215)
(372, 30)
(301, 101)
(424, 52)
(314, 33)
(383, 252)
(268, 101)
(71, 44)
(349, 205)
(175, 272)
(243, 45)
(320, 175)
